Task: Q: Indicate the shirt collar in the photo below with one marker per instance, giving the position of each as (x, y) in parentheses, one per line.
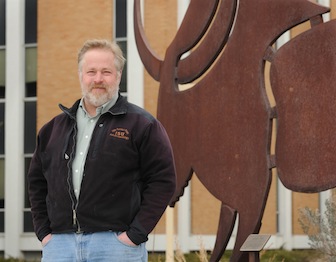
(103, 108)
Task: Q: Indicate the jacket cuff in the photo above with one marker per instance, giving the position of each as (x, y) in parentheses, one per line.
(136, 233)
(43, 233)
(136, 239)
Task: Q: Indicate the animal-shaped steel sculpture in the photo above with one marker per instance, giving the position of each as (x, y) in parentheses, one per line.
(221, 128)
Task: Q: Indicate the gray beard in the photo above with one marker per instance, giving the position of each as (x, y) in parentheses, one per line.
(98, 101)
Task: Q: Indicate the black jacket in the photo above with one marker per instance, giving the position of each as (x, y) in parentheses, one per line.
(128, 180)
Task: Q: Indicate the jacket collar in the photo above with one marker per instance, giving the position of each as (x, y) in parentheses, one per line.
(119, 108)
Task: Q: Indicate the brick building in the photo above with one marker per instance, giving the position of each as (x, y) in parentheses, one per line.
(38, 70)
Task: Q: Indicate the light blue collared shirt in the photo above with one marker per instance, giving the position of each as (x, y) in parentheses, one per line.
(85, 127)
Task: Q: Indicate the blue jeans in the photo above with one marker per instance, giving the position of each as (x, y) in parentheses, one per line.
(91, 247)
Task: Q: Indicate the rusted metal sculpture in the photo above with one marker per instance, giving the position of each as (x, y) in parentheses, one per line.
(221, 128)
(303, 76)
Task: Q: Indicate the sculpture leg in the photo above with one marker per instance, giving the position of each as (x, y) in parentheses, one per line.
(248, 224)
(225, 226)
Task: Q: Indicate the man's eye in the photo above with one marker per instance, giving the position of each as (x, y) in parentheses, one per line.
(107, 72)
(90, 72)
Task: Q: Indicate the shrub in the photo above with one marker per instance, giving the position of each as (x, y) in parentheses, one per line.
(321, 228)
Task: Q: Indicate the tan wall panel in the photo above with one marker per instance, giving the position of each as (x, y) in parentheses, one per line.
(160, 27)
(63, 26)
(269, 221)
(205, 209)
(161, 226)
(300, 28)
(301, 200)
(333, 9)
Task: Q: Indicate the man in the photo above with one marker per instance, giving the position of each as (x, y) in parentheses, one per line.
(103, 172)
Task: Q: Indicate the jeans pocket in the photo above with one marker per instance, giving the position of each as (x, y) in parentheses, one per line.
(47, 242)
(117, 234)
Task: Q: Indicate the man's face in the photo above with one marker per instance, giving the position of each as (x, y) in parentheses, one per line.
(98, 77)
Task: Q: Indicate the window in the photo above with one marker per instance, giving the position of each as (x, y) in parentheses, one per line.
(30, 127)
(2, 22)
(2, 109)
(2, 165)
(120, 30)
(2, 194)
(121, 18)
(2, 72)
(31, 22)
(27, 218)
(30, 98)
(2, 47)
(31, 71)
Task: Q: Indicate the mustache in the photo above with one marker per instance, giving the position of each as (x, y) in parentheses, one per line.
(94, 86)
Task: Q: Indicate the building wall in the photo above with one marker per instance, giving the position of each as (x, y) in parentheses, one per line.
(63, 26)
(160, 27)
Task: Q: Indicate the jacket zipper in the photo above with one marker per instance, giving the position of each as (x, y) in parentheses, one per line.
(74, 216)
(74, 202)
(75, 221)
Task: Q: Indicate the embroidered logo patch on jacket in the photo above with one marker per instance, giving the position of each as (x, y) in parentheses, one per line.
(120, 133)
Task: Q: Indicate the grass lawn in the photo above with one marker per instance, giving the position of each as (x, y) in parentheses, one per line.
(265, 256)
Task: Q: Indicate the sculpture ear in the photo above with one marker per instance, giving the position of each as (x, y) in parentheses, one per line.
(149, 59)
(208, 49)
(195, 23)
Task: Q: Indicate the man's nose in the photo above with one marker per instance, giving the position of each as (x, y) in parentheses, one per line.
(98, 77)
